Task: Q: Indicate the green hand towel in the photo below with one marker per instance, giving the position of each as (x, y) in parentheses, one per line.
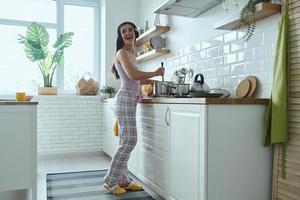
(277, 112)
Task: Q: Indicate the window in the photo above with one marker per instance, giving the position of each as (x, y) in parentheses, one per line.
(17, 73)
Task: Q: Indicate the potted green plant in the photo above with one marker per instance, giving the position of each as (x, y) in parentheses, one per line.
(36, 49)
(247, 18)
(107, 91)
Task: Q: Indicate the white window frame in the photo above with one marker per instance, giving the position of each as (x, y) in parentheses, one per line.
(60, 29)
(59, 26)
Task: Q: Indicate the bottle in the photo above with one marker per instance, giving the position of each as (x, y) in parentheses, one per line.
(146, 26)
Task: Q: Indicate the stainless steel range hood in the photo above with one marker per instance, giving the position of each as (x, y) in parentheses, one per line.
(186, 8)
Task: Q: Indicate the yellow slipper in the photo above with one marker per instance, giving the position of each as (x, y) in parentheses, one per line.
(133, 186)
(115, 189)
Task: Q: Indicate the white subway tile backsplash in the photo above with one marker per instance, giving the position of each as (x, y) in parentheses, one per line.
(240, 35)
(254, 66)
(230, 58)
(206, 44)
(226, 59)
(256, 40)
(198, 47)
(230, 81)
(212, 52)
(193, 57)
(230, 37)
(217, 41)
(238, 69)
(189, 49)
(224, 71)
(203, 54)
(183, 60)
(218, 61)
(263, 52)
(176, 62)
(246, 55)
(238, 45)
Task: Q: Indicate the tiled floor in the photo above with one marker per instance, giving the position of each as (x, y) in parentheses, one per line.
(57, 165)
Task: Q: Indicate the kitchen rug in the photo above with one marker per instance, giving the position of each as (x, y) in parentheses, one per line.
(85, 185)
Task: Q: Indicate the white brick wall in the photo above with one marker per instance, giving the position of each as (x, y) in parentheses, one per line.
(226, 59)
(69, 124)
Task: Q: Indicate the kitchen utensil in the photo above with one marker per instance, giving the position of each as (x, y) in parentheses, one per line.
(199, 85)
(253, 83)
(180, 75)
(163, 76)
(243, 88)
(157, 42)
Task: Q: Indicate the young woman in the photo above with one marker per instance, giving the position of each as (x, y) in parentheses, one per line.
(125, 68)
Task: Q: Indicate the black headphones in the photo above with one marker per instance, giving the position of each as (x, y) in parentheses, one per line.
(133, 26)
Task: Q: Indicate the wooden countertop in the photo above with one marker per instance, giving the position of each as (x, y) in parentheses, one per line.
(205, 100)
(24, 103)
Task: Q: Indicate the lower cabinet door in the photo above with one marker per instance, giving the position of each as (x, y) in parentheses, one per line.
(152, 168)
(185, 161)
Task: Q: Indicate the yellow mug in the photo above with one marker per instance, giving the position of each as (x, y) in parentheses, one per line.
(20, 96)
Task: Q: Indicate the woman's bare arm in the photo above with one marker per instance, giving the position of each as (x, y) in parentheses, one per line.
(133, 73)
(146, 81)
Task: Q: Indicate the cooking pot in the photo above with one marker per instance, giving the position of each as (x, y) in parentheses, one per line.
(199, 86)
(180, 89)
(162, 88)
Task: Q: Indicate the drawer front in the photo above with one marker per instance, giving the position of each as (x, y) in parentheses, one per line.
(153, 135)
(152, 114)
(152, 167)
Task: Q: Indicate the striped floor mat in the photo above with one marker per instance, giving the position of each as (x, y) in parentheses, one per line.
(85, 185)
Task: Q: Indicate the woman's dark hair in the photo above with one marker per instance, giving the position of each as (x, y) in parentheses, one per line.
(120, 44)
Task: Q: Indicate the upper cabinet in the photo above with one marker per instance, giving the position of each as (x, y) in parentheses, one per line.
(263, 10)
(186, 8)
(146, 37)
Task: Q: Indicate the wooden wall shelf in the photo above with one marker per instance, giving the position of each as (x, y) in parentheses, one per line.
(263, 10)
(152, 54)
(152, 32)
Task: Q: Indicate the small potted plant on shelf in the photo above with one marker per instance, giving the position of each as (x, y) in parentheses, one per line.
(247, 18)
(107, 91)
(36, 49)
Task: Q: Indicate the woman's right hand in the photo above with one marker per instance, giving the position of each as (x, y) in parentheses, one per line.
(160, 71)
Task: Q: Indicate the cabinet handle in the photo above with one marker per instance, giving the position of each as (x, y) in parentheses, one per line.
(166, 118)
(148, 148)
(149, 127)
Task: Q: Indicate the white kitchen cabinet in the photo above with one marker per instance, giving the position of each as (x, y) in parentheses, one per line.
(203, 151)
(216, 152)
(18, 147)
(152, 168)
(186, 158)
(110, 141)
(152, 146)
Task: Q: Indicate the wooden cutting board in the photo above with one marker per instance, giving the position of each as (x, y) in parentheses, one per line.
(243, 88)
(253, 83)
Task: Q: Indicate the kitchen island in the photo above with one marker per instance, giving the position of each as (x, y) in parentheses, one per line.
(18, 148)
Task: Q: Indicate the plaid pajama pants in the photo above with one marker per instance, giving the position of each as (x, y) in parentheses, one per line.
(125, 112)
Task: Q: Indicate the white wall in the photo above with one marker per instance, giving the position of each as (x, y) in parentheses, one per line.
(69, 124)
(227, 59)
(113, 13)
